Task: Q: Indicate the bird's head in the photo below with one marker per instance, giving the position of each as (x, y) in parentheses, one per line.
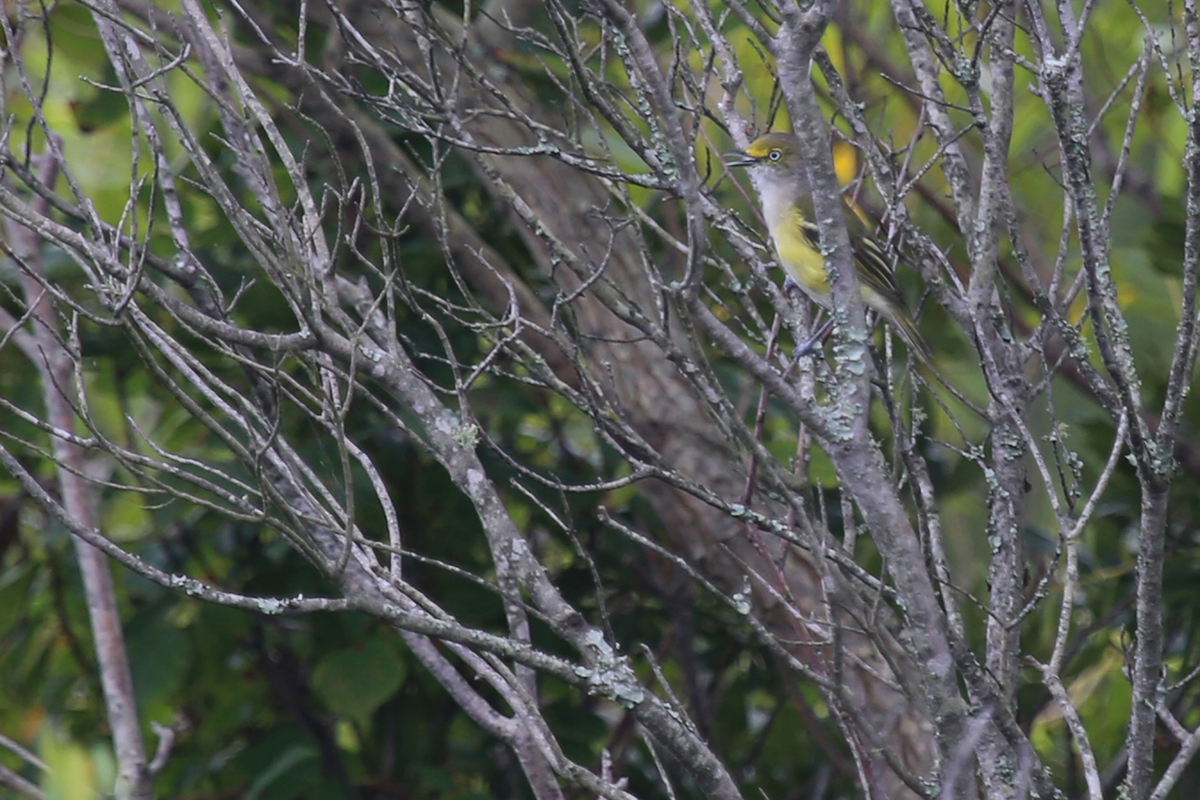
(775, 151)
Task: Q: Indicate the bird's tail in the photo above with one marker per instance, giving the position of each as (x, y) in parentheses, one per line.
(904, 324)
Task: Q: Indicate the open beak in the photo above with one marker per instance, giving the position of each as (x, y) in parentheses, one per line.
(738, 159)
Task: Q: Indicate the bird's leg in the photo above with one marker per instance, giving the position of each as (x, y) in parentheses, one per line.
(790, 286)
(815, 342)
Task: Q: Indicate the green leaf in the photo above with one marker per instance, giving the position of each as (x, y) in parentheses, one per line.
(158, 657)
(356, 681)
(281, 767)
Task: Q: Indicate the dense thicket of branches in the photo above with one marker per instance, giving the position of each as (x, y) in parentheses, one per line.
(412, 386)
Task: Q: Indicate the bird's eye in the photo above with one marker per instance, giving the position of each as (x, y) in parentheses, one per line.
(775, 155)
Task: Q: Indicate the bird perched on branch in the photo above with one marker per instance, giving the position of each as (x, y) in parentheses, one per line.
(788, 210)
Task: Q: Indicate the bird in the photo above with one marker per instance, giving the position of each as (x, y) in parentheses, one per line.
(788, 210)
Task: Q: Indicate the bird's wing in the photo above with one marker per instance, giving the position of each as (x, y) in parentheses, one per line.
(874, 269)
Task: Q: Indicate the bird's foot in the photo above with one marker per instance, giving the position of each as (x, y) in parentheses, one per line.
(811, 347)
(813, 344)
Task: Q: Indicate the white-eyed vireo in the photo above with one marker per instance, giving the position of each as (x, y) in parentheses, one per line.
(788, 210)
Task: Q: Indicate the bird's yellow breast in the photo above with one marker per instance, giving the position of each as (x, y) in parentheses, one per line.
(797, 255)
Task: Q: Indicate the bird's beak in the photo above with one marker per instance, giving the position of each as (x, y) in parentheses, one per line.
(739, 159)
